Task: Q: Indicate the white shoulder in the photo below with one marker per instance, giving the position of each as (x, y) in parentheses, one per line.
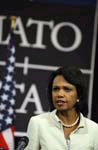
(40, 117)
(92, 124)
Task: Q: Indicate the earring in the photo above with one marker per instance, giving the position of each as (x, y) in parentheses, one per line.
(78, 100)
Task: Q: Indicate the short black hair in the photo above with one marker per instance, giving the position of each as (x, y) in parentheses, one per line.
(76, 77)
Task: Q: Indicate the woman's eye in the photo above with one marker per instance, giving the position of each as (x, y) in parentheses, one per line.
(67, 89)
(55, 88)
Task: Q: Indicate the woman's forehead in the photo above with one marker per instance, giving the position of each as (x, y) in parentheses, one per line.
(59, 79)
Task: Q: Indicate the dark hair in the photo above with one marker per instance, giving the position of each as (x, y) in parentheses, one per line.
(76, 77)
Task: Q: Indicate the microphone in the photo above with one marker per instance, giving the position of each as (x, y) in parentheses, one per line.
(22, 143)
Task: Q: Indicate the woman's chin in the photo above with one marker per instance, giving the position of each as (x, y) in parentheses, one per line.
(61, 108)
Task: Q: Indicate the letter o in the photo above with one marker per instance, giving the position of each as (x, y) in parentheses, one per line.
(77, 41)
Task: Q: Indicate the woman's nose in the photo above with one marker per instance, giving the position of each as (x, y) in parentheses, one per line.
(61, 93)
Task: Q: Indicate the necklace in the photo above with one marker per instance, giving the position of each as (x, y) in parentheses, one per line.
(71, 125)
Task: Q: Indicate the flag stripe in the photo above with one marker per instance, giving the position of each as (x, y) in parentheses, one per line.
(6, 134)
(2, 141)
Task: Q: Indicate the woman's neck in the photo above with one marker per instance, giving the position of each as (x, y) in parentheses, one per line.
(67, 117)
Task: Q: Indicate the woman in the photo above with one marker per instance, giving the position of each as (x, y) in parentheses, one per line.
(66, 126)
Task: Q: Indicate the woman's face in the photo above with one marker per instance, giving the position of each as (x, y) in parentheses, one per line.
(64, 94)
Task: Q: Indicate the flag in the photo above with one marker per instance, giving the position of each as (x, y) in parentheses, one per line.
(7, 100)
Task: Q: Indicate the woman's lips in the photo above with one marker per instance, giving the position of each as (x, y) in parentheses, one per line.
(60, 102)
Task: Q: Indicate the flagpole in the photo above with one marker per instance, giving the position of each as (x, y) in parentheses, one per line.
(12, 22)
